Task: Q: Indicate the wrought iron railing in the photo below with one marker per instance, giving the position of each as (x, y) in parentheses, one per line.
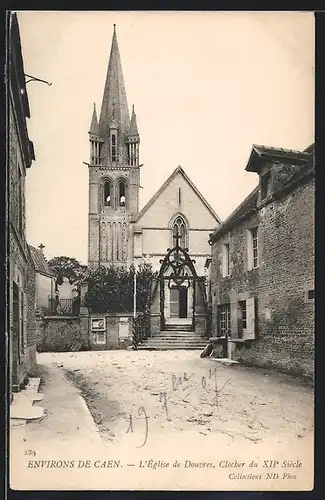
(141, 329)
(63, 307)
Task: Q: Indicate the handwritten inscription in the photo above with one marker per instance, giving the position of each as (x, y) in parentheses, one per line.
(142, 415)
(181, 384)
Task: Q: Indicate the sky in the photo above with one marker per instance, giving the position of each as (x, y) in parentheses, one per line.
(206, 86)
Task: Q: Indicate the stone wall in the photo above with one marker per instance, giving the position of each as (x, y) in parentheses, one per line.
(69, 333)
(59, 333)
(241, 283)
(21, 270)
(286, 314)
(282, 284)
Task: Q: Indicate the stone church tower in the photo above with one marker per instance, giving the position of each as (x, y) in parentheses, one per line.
(114, 172)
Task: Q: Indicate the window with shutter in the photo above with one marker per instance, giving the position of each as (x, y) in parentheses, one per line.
(242, 319)
(249, 334)
(252, 249)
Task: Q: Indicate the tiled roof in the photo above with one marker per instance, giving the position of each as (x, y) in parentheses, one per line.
(285, 153)
(39, 261)
(304, 168)
(246, 207)
(260, 152)
(302, 172)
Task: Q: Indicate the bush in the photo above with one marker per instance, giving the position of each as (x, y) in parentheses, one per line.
(110, 289)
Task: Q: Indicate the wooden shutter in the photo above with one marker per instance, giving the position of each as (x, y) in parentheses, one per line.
(249, 250)
(250, 319)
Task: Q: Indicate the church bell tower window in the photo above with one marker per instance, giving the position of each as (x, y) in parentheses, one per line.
(122, 194)
(113, 147)
(107, 194)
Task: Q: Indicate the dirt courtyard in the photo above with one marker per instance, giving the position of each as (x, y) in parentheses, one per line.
(147, 397)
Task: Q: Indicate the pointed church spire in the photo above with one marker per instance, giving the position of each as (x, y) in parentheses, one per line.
(94, 129)
(133, 130)
(114, 97)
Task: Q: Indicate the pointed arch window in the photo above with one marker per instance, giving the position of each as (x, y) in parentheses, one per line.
(121, 194)
(113, 147)
(180, 229)
(107, 194)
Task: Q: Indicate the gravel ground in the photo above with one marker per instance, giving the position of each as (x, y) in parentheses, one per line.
(179, 392)
(167, 420)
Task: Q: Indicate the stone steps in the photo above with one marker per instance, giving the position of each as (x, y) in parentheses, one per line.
(172, 341)
(178, 328)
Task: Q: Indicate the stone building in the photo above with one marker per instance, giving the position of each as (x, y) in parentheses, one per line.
(20, 270)
(262, 269)
(119, 232)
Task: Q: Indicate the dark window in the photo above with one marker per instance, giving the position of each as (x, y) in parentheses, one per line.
(113, 147)
(311, 294)
(100, 147)
(107, 194)
(224, 319)
(265, 185)
(243, 318)
(122, 194)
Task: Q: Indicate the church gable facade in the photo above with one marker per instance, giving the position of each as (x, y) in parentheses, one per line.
(177, 206)
(118, 233)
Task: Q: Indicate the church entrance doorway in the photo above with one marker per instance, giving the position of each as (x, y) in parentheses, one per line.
(181, 298)
(182, 311)
(178, 302)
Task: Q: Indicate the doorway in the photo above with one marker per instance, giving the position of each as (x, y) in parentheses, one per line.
(182, 302)
(178, 302)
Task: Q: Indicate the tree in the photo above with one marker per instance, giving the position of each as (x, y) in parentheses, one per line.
(110, 289)
(68, 267)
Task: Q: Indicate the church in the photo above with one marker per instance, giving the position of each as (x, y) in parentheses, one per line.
(119, 232)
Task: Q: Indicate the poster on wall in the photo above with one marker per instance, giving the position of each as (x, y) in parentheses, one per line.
(98, 324)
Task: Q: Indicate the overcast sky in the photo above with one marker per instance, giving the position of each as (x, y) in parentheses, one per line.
(206, 86)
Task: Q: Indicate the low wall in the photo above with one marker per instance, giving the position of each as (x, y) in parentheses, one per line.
(60, 333)
(77, 333)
